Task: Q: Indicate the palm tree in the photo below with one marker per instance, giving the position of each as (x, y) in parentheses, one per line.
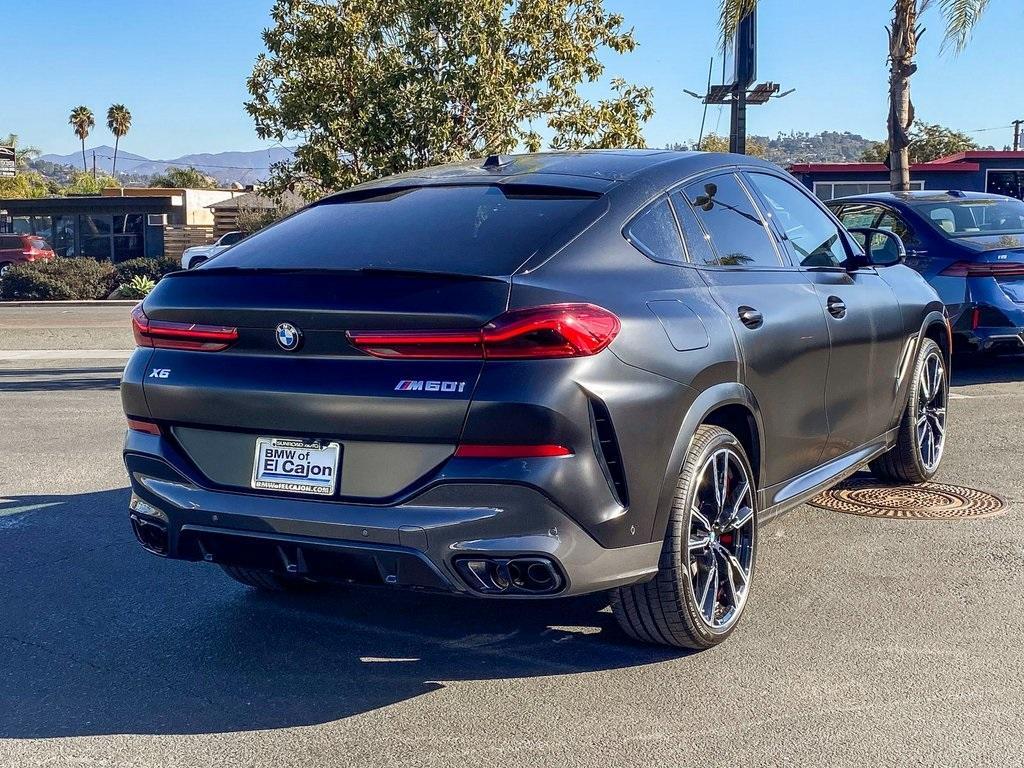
(82, 121)
(119, 121)
(904, 32)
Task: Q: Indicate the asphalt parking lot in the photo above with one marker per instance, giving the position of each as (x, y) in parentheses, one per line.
(867, 641)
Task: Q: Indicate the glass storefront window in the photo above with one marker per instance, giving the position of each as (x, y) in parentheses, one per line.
(41, 226)
(64, 235)
(129, 224)
(1006, 183)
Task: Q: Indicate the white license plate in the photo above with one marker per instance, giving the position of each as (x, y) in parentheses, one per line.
(296, 466)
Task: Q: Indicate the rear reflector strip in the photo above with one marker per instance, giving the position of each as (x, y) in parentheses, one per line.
(163, 334)
(138, 425)
(511, 451)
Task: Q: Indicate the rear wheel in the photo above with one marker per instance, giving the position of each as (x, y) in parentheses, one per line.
(922, 433)
(267, 581)
(707, 561)
(4, 267)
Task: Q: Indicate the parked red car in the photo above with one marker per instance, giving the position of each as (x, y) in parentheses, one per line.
(17, 249)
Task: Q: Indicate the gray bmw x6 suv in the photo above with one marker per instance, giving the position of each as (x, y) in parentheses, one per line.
(529, 377)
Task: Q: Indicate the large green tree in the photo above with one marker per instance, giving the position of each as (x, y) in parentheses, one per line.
(373, 87)
(904, 33)
(82, 121)
(928, 141)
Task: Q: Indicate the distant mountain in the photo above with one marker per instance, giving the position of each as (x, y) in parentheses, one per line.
(225, 167)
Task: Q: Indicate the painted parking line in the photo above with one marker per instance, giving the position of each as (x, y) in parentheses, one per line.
(65, 354)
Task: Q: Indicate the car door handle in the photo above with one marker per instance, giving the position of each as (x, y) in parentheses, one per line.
(751, 317)
(836, 307)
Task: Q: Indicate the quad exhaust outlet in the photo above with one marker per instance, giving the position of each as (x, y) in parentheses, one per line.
(523, 575)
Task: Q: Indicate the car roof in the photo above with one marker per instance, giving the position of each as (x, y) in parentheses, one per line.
(921, 196)
(595, 170)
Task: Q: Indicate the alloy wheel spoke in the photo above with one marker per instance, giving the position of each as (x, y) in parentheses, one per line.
(741, 518)
(730, 581)
(699, 544)
(937, 380)
(700, 518)
(740, 496)
(709, 595)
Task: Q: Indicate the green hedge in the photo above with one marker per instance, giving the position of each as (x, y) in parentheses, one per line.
(77, 278)
(154, 269)
(59, 279)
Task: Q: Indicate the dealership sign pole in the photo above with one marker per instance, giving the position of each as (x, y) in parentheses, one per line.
(738, 94)
(8, 163)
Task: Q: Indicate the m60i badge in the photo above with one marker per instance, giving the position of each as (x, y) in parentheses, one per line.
(409, 385)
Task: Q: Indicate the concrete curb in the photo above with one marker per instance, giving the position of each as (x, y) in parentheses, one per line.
(76, 303)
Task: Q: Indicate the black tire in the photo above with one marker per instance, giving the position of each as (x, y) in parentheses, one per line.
(665, 610)
(197, 261)
(4, 266)
(267, 581)
(905, 461)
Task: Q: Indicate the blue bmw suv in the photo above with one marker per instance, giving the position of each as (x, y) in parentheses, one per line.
(969, 246)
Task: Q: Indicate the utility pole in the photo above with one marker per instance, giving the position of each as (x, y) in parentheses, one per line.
(94, 165)
(1016, 134)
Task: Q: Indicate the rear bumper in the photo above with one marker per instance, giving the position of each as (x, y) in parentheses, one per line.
(414, 544)
(990, 321)
(989, 339)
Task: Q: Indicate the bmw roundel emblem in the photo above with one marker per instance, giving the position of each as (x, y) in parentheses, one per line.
(288, 337)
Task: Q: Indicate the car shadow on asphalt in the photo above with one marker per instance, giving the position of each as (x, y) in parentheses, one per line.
(59, 379)
(974, 369)
(99, 637)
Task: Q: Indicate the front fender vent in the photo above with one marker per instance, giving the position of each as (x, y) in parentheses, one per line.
(607, 449)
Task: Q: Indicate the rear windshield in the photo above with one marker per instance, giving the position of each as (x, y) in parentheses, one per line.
(480, 229)
(39, 244)
(975, 217)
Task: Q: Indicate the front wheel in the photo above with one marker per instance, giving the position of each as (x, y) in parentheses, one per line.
(922, 434)
(707, 561)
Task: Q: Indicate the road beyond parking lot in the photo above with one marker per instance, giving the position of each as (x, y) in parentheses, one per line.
(867, 642)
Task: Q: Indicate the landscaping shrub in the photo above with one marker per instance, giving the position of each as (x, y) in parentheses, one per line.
(154, 269)
(136, 288)
(59, 279)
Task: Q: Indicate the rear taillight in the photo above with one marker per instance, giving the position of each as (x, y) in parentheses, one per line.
(984, 269)
(167, 335)
(477, 451)
(558, 330)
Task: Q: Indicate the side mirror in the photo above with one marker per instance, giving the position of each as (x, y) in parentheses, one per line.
(881, 247)
(707, 201)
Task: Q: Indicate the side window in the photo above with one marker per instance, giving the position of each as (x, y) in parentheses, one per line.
(655, 233)
(727, 214)
(812, 238)
(895, 223)
(859, 215)
(698, 243)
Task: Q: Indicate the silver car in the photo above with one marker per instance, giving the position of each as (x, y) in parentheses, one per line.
(197, 254)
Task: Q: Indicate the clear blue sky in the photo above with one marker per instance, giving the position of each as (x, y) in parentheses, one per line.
(181, 67)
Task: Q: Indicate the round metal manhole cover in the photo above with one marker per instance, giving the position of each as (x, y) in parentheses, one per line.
(924, 501)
